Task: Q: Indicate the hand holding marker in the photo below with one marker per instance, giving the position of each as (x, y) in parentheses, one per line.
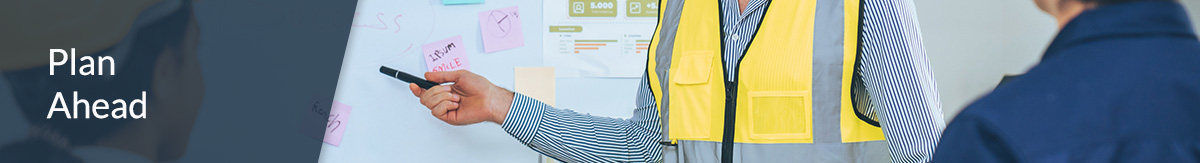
(470, 99)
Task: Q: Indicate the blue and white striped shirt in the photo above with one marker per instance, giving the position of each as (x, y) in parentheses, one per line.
(894, 71)
(739, 28)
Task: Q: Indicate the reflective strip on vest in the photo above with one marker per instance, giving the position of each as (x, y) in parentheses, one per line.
(793, 85)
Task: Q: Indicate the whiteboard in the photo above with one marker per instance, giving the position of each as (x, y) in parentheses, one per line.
(388, 124)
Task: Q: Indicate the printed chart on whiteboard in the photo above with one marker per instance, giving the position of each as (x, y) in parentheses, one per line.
(598, 38)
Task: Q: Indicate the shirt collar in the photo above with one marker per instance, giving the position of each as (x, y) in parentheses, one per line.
(1122, 21)
(753, 6)
(731, 6)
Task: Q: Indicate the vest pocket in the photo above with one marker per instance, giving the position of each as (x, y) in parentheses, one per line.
(694, 68)
(780, 115)
(691, 96)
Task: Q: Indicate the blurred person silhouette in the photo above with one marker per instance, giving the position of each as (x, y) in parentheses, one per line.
(1119, 83)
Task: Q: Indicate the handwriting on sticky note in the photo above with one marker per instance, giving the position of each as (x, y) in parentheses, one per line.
(501, 29)
(455, 2)
(446, 55)
(325, 120)
(314, 120)
(339, 116)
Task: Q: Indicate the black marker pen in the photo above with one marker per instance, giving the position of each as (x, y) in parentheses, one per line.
(424, 84)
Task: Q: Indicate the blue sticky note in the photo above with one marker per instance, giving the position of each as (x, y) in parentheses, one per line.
(457, 2)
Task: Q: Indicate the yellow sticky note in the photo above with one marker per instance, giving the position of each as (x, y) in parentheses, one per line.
(535, 82)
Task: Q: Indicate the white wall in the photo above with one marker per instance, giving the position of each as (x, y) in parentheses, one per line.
(973, 43)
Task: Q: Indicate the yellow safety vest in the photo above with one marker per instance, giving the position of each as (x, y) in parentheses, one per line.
(772, 97)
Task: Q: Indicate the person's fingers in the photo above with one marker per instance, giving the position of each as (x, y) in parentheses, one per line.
(442, 108)
(427, 97)
(446, 76)
(417, 91)
(442, 96)
(449, 96)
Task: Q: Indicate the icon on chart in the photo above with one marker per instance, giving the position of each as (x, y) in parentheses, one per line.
(577, 7)
(635, 7)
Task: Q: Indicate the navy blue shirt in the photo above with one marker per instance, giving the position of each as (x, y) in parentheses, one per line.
(1120, 83)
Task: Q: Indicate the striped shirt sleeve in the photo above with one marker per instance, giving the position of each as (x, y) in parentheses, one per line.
(574, 137)
(898, 80)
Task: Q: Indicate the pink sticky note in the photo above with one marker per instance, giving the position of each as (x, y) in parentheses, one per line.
(339, 117)
(446, 55)
(501, 29)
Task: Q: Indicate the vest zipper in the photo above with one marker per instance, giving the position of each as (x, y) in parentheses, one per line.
(731, 89)
(727, 128)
